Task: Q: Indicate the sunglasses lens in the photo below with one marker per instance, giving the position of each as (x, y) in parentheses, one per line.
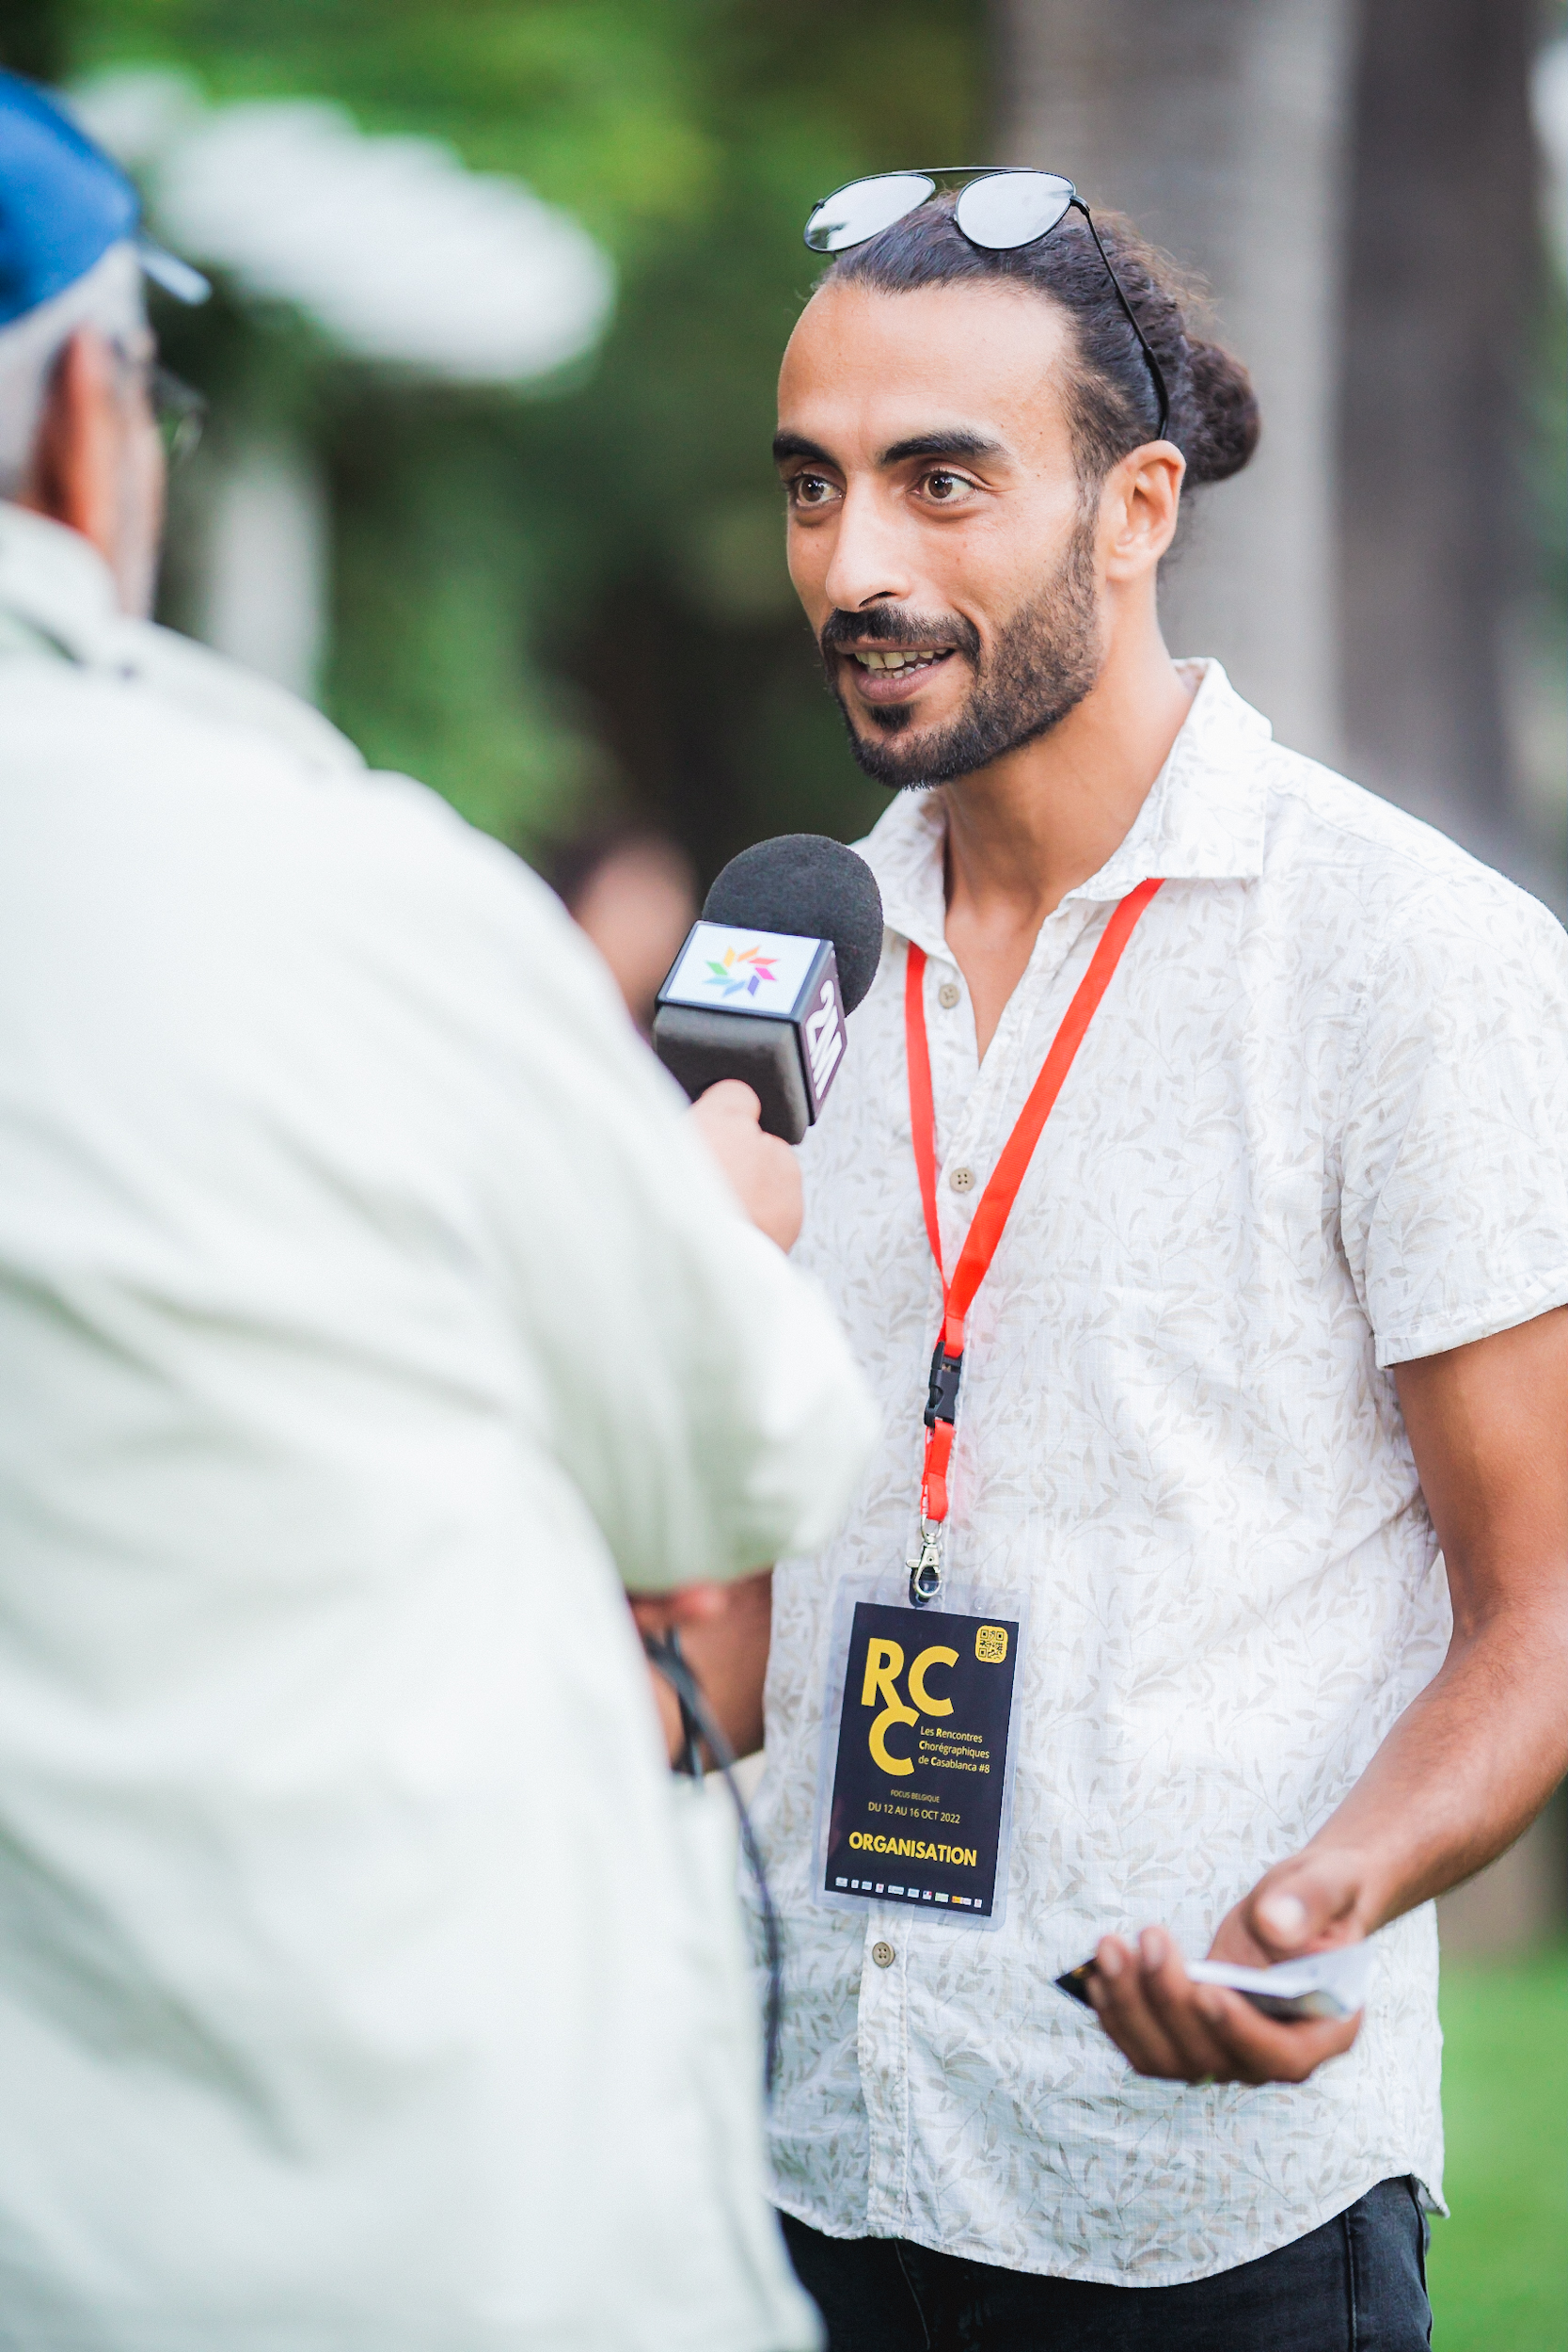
(864, 208)
(1012, 208)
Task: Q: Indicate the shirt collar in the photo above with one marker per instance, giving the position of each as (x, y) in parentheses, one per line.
(56, 583)
(1201, 821)
(57, 595)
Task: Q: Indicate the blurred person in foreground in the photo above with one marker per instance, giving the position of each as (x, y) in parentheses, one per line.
(634, 893)
(370, 1316)
(1259, 1404)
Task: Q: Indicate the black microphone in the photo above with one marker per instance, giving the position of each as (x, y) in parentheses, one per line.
(788, 943)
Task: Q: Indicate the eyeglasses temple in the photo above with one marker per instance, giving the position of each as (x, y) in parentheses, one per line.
(1155, 369)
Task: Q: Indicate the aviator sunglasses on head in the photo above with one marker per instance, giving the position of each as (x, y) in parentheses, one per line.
(1001, 209)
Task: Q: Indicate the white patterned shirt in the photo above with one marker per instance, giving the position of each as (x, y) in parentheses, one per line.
(1316, 1129)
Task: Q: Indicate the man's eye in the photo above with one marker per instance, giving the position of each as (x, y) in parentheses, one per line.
(945, 487)
(811, 490)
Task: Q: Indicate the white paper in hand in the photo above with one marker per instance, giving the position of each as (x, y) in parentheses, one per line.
(1324, 1984)
(1328, 1984)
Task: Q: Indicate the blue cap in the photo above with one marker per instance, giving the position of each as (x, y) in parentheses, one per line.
(63, 204)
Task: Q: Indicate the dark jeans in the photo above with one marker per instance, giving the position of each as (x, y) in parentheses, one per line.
(1357, 2284)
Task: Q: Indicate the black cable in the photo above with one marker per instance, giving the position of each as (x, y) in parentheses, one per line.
(689, 1762)
(695, 1712)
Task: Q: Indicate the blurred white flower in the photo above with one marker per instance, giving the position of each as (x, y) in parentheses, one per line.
(396, 249)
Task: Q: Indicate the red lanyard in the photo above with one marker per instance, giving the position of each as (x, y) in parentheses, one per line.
(996, 1202)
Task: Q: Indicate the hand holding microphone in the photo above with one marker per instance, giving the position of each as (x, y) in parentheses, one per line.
(788, 943)
(764, 1172)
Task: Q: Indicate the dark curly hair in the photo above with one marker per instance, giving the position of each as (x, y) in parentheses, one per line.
(1114, 407)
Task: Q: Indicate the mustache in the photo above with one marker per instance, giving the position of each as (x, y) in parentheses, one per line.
(895, 624)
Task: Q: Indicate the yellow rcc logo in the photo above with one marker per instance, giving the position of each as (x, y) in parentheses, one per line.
(884, 1663)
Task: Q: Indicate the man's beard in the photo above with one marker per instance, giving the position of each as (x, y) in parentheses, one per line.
(1048, 656)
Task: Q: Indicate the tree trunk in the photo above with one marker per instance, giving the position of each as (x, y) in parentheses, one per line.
(1216, 125)
(1444, 269)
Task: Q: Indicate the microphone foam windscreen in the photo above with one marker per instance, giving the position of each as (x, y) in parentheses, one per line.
(811, 887)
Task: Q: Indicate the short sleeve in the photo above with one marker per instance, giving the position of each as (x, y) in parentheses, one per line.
(1454, 1143)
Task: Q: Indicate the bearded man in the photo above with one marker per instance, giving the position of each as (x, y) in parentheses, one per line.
(1206, 1115)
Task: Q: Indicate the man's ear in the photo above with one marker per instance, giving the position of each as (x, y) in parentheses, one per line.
(74, 476)
(1139, 507)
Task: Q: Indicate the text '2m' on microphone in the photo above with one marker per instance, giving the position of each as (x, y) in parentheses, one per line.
(789, 941)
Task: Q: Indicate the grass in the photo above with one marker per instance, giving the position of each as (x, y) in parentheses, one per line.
(1498, 2268)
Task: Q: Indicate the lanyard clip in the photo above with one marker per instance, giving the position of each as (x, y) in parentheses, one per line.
(942, 1397)
(924, 1566)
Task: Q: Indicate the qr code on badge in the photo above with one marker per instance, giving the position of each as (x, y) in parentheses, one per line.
(990, 1645)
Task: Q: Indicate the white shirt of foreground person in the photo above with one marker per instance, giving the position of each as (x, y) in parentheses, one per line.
(1316, 1129)
(368, 1316)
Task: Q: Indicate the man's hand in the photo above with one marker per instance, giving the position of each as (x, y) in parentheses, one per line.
(762, 1168)
(1167, 2025)
(1199, 2033)
(1309, 1904)
(678, 1610)
(725, 1632)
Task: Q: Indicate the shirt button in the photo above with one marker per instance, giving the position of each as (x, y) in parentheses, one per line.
(962, 1180)
(883, 1954)
(948, 995)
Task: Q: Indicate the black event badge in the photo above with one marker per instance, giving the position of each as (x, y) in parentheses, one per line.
(920, 1811)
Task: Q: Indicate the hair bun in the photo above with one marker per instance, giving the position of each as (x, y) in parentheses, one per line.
(1225, 427)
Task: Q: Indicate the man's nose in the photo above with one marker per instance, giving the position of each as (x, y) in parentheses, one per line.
(869, 561)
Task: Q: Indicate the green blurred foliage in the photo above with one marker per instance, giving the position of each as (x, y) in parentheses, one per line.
(1498, 2268)
(572, 601)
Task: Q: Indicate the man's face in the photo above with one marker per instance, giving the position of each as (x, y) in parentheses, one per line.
(98, 463)
(938, 535)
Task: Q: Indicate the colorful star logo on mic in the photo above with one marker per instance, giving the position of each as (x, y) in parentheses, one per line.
(743, 968)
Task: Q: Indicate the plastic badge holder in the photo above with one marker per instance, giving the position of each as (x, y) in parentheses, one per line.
(923, 1878)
